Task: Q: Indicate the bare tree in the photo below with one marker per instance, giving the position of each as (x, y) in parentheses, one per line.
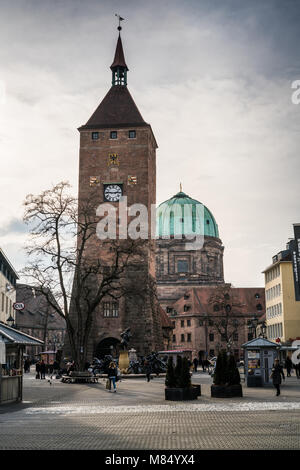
(226, 315)
(74, 282)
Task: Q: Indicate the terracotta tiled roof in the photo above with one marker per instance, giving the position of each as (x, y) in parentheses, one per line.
(117, 109)
(165, 321)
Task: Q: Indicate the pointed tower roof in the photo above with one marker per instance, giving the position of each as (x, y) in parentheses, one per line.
(119, 60)
(117, 109)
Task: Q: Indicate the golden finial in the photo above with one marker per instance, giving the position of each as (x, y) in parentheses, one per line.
(180, 187)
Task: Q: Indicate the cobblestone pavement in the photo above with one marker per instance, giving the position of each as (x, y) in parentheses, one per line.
(80, 416)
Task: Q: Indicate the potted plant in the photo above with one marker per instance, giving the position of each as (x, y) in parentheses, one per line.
(227, 381)
(178, 382)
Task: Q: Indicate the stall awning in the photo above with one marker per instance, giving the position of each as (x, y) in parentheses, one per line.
(12, 336)
(260, 343)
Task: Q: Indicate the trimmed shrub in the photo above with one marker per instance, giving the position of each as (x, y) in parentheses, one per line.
(184, 379)
(170, 376)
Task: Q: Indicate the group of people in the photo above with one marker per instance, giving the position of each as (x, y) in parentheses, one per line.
(204, 363)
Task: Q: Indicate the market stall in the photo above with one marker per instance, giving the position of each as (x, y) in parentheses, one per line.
(12, 345)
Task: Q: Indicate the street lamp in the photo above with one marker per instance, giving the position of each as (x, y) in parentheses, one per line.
(252, 325)
(263, 329)
(10, 321)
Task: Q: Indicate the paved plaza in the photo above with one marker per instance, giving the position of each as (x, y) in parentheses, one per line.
(87, 416)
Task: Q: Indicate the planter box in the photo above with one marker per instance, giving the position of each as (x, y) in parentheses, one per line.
(181, 394)
(230, 391)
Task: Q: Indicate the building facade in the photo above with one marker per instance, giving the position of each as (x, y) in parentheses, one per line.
(200, 324)
(190, 275)
(40, 320)
(282, 308)
(8, 280)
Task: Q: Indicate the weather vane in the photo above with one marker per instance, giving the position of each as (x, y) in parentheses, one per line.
(120, 19)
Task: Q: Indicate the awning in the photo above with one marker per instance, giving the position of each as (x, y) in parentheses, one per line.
(12, 336)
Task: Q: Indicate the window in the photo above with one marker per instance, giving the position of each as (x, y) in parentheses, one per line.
(113, 135)
(132, 134)
(257, 296)
(182, 266)
(212, 352)
(182, 338)
(169, 309)
(210, 323)
(173, 324)
(95, 135)
(235, 337)
(250, 336)
(174, 338)
(200, 322)
(211, 337)
(188, 322)
(115, 309)
(110, 309)
(2, 302)
(182, 323)
(223, 337)
(186, 308)
(259, 307)
(189, 337)
(106, 309)
(216, 308)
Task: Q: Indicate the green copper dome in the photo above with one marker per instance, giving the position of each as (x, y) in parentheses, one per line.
(182, 215)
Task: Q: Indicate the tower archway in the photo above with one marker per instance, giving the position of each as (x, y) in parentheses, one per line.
(107, 346)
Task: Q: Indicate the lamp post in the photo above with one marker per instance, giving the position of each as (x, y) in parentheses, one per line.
(263, 329)
(10, 321)
(252, 325)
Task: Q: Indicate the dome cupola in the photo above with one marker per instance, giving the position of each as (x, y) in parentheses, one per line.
(183, 216)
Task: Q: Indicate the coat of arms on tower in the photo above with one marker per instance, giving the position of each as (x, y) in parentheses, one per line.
(113, 159)
(132, 180)
(94, 181)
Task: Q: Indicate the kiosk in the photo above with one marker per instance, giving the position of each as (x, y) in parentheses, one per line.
(260, 354)
(12, 345)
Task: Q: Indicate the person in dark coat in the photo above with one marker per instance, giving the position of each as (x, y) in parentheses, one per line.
(289, 366)
(112, 375)
(195, 362)
(148, 370)
(38, 370)
(277, 373)
(43, 370)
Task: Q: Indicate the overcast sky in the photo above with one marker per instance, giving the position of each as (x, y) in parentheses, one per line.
(212, 77)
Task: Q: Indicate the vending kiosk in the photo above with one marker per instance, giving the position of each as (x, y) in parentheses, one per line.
(260, 354)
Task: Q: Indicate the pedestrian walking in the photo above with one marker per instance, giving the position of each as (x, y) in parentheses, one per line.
(148, 370)
(38, 370)
(43, 370)
(277, 373)
(195, 362)
(26, 366)
(112, 375)
(288, 366)
(55, 369)
(297, 370)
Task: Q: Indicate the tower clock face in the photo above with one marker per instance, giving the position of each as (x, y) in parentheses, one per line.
(113, 192)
